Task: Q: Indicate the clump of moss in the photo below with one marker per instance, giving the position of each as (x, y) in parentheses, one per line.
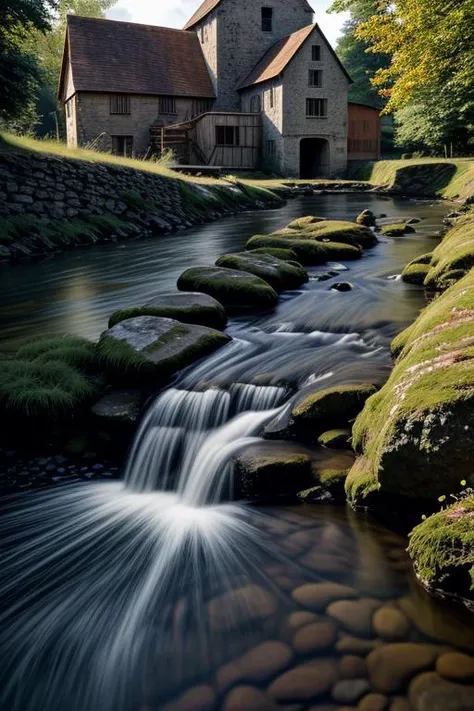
(33, 390)
(397, 230)
(303, 222)
(287, 255)
(235, 290)
(335, 439)
(279, 274)
(341, 231)
(442, 547)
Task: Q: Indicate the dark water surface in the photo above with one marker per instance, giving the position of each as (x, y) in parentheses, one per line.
(77, 291)
(154, 593)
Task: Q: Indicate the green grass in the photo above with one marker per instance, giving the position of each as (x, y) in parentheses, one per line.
(71, 350)
(37, 390)
(457, 181)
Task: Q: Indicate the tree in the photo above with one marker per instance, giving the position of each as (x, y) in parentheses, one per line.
(20, 73)
(431, 45)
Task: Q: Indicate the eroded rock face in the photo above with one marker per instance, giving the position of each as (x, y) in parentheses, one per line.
(278, 273)
(149, 347)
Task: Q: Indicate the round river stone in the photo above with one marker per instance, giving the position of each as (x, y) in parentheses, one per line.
(305, 682)
(393, 665)
(391, 624)
(317, 596)
(456, 667)
(315, 637)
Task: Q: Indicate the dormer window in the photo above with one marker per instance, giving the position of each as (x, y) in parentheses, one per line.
(267, 19)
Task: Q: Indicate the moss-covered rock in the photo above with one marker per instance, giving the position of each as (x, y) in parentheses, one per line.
(342, 231)
(235, 290)
(336, 439)
(287, 255)
(308, 251)
(454, 256)
(442, 549)
(279, 274)
(200, 309)
(271, 470)
(417, 431)
(397, 230)
(152, 348)
(329, 408)
(366, 218)
(415, 273)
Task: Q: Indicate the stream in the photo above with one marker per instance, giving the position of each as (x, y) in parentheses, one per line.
(157, 592)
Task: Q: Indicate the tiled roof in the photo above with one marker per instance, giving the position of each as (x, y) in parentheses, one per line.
(124, 57)
(209, 5)
(280, 55)
(203, 10)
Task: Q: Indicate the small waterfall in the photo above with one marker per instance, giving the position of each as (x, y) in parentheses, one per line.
(187, 437)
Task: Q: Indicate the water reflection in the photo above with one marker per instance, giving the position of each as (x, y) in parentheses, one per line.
(77, 291)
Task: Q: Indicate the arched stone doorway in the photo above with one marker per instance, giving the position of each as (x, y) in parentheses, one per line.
(314, 158)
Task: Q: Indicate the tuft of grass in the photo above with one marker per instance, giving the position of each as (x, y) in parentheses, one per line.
(415, 273)
(443, 545)
(33, 389)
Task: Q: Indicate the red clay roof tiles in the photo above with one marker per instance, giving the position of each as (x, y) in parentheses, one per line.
(124, 57)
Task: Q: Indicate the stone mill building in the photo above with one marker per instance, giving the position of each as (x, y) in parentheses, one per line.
(245, 84)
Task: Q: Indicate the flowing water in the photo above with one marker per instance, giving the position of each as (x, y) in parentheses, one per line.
(157, 592)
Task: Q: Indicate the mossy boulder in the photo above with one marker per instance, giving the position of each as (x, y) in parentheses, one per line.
(287, 255)
(329, 408)
(336, 439)
(342, 231)
(366, 218)
(153, 348)
(454, 256)
(267, 471)
(417, 432)
(397, 230)
(200, 309)
(415, 273)
(276, 272)
(236, 290)
(308, 251)
(442, 549)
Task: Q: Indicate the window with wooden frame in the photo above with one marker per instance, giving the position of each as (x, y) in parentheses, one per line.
(316, 53)
(167, 105)
(316, 108)
(315, 77)
(122, 146)
(227, 136)
(267, 19)
(120, 104)
(270, 149)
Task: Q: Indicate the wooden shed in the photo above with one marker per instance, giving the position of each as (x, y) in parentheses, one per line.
(364, 132)
(225, 139)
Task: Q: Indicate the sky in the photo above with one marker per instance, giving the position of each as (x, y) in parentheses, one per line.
(175, 13)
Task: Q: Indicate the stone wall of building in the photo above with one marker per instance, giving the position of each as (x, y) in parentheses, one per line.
(296, 125)
(94, 118)
(49, 203)
(241, 41)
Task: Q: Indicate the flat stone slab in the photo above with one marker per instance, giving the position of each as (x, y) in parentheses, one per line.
(191, 307)
(149, 346)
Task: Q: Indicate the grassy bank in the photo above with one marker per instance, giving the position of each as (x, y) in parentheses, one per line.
(450, 178)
